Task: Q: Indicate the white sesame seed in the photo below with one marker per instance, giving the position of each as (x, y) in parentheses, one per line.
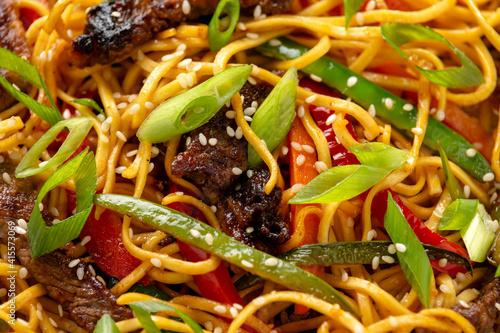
(350, 222)
(375, 262)
(22, 223)
(371, 5)
(493, 197)
(314, 77)
(230, 114)
(182, 80)
(393, 321)
(297, 146)
(249, 173)
(6, 178)
(464, 304)
(155, 262)
(73, 263)
(247, 118)
(371, 110)
(209, 239)
(249, 230)
(184, 62)
(134, 109)
(19, 230)
(391, 249)
(259, 301)
(237, 171)
(311, 98)
(489, 177)
(203, 139)
(233, 311)
(440, 115)
(181, 48)
(345, 276)
(15, 156)
(246, 263)
(230, 131)
(461, 277)
(297, 187)
(352, 81)
(104, 138)
(407, 107)
(330, 119)
(50, 53)
(213, 208)
(40, 206)
(371, 235)
(252, 81)
(271, 262)
(301, 159)
(60, 310)
(252, 35)
(149, 105)
(400, 247)
(116, 14)
(241, 26)
(220, 309)
(388, 259)
(417, 130)
(360, 18)
(23, 273)
(85, 240)
(186, 7)
(308, 148)
(101, 279)
(257, 12)
(140, 56)
(212, 141)
(442, 262)
(56, 221)
(471, 152)
(445, 289)
(249, 111)
(238, 134)
(121, 136)
(80, 273)
(195, 233)
(275, 42)
(284, 150)
(467, 191)
(320, 166)
(39, 313)
(167, 57)
(389, 103)
(301, 111)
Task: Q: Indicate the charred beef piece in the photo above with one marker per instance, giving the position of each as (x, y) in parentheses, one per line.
(87, 299)
(108, 37)
(482, 312)
(211, 167)
(247, 205)
(12, 37)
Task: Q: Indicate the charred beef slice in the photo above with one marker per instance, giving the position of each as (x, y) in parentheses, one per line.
(241, 202)
(86, 299)
(12, 37)
(108, 37)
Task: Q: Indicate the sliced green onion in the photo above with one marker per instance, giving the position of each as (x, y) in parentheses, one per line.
(350, 8)
(14, 63)
(379, 155)
(350, 253)
(193, 108)
(275, 115)
(78, 129)
(458, 214)
(89, 102)
(43, 239)
(143, 309)
(414, 261)
(339, 184)
(219, 36)
(452, 185)
(479, 234)
(469, 75)
(106, 325)
(347, 181)
(254, 261)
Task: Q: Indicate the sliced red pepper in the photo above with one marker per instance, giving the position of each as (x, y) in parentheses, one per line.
(106, 246)
(342, 156)
(28, 16)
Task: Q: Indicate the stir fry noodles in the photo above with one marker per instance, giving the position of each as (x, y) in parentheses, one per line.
(257, 165)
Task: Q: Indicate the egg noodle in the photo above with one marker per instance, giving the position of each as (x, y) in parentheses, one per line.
(179, 58)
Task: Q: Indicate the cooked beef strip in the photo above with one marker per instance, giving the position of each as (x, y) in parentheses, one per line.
(12, 37)
(247, 205)
(107, 38)
(211, 169)
(482, 313)
(86, 300)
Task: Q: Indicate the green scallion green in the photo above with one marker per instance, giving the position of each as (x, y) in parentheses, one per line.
(219, 36)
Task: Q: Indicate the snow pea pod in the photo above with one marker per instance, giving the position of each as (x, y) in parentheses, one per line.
(397, 111)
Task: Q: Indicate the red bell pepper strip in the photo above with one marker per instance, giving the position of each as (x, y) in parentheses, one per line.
(342, 156)
(106, 246)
